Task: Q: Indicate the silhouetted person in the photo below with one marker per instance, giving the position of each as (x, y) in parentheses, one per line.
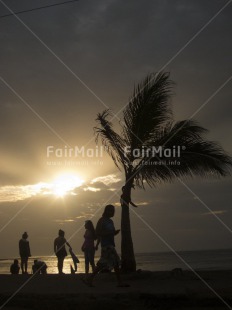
(105, 232)
(24, 251)
(122, 201)
(14, 268)
(88, 246)
(39, 267)
(60, 251)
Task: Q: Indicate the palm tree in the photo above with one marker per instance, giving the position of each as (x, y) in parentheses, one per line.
(147, 147)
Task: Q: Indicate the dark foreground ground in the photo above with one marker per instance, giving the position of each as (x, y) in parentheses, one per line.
(148, 290)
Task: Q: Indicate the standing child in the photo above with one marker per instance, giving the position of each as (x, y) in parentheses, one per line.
(24, 252)
(88, 246)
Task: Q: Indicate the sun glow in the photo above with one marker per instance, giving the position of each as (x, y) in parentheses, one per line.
(65, 183)
(61, 186)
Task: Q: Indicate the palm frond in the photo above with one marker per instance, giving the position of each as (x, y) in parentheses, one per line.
(197, 156)
(178, 132)
(113, 143)
(148, 110)
(148, 123)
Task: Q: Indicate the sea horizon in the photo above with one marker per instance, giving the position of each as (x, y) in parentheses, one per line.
(217, 259)
(136, 253)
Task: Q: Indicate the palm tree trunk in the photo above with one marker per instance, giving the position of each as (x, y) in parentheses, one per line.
(127, 250)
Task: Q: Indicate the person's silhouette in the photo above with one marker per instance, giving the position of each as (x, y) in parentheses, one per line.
(109, 259)
(24, 252)
(60, 251)
(39, 267)
(14, 268)
(88, 246)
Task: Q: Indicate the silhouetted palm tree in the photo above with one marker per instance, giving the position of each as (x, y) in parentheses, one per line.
(148, 123)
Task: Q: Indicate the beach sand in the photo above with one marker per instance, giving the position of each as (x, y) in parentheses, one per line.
(148, 290)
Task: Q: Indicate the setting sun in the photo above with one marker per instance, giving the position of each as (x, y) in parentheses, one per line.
(65, 183)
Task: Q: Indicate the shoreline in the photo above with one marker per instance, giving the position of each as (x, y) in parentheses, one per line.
(148, 290)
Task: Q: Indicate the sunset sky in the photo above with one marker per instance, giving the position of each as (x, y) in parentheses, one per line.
(61, 66)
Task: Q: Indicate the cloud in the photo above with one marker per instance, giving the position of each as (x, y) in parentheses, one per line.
(92, 189)
(100, 184)
(61, 221)
(142, 203)
(21, 192)
(80, 217)
(12, 193)
(107, 179)
(215, 212)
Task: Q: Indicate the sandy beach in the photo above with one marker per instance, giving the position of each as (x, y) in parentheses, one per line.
(148, 290)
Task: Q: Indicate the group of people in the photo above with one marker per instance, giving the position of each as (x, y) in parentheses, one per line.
(25, 253)
(103, 234)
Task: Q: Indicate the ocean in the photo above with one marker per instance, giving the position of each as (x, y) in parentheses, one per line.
(198, 260)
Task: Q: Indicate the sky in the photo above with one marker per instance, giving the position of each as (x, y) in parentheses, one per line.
(61, 66)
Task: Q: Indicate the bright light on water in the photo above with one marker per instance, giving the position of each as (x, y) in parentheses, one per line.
(51, 263)
(198, 260)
